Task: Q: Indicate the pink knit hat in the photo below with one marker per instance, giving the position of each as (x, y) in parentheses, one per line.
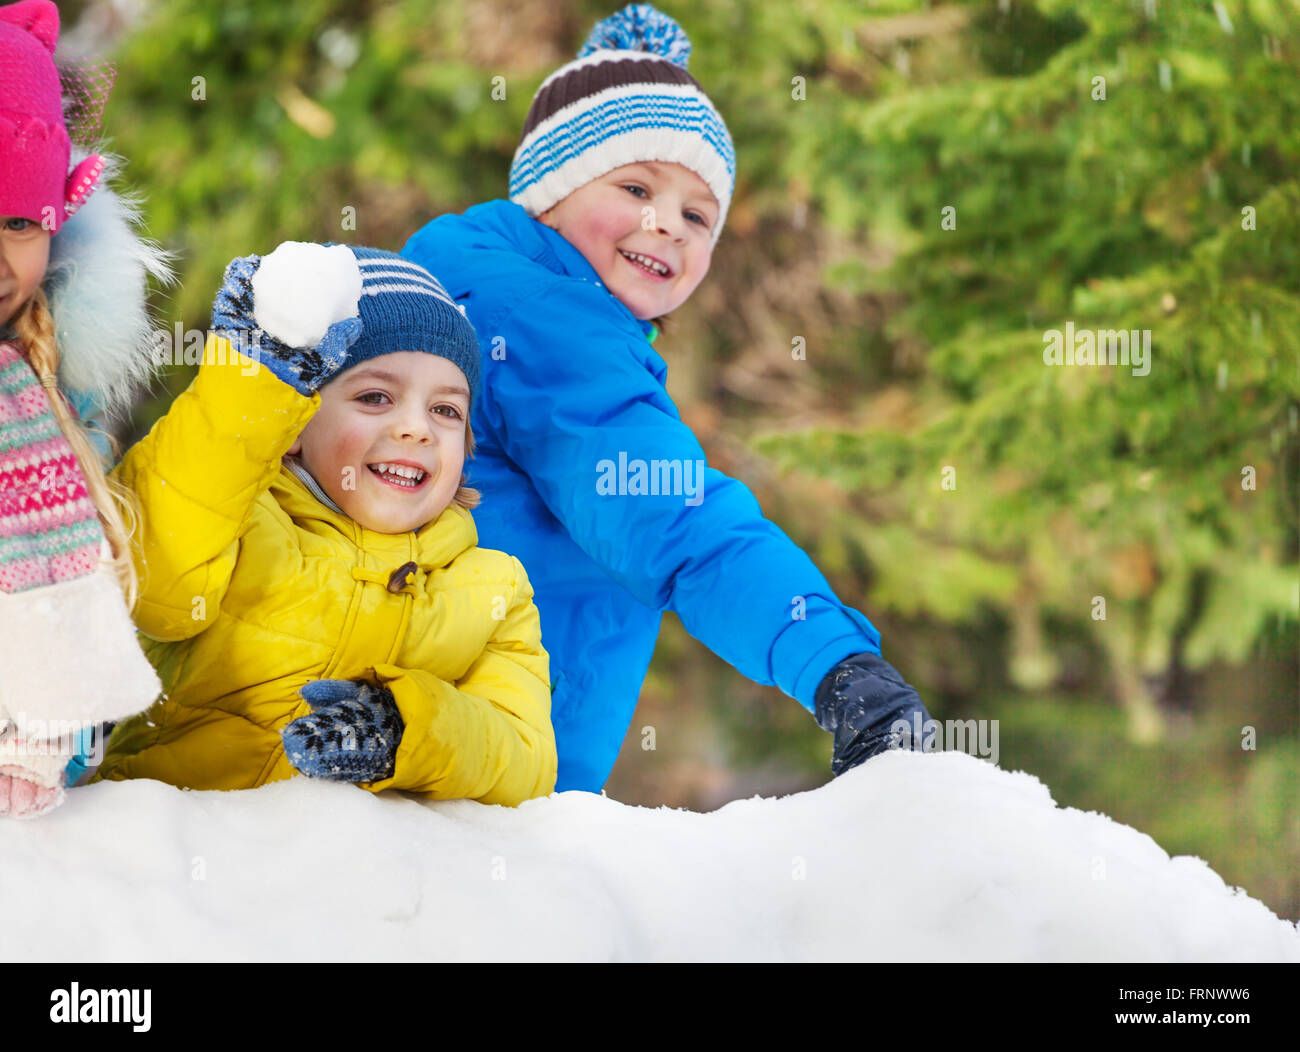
(34, 144)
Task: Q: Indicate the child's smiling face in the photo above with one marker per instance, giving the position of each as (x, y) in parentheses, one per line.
(388, 442)
(646, 229)
(24, 255)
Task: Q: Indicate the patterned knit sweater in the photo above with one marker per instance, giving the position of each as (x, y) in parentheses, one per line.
(68, 649)
(49, 530)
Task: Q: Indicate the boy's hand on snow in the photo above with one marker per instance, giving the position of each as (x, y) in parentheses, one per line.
(859, 702)
(270, 312)
(351, 735)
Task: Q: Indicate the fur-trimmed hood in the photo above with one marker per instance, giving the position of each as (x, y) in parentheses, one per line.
(97, 284)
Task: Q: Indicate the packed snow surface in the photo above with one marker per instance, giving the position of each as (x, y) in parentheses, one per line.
(911, 857)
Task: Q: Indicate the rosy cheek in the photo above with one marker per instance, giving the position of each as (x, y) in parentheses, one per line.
(614, 223)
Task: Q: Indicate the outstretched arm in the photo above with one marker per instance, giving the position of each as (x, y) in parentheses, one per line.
(588, 419)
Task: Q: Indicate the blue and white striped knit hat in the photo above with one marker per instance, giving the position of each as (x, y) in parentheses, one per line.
(405, 308)
(296, 293)
(626, 98)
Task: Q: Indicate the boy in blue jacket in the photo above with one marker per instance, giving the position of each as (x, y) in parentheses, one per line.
(618, 192)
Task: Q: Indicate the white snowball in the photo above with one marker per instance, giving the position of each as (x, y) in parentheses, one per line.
(301, 289)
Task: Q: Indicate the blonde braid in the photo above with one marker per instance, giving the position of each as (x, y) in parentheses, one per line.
(116, 505)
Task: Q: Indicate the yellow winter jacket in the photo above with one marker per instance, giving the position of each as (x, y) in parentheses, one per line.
(251, 587)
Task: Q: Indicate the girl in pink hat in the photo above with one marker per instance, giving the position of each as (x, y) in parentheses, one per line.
(74, 342)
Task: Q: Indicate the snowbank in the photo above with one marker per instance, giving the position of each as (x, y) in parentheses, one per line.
(908, 858)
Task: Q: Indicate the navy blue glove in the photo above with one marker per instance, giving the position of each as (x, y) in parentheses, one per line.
(306, 369)
(859, 701)
(351, 735)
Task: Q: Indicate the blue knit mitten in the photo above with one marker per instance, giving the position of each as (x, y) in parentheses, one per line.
(351, 735)
(304, 368)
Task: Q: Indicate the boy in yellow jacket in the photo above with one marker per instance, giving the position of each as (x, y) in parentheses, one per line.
(311, 591)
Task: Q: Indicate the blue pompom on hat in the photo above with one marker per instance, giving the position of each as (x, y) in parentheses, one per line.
(640, 27)
(627, 98)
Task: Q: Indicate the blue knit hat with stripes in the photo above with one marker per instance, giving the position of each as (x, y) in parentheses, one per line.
(626, 98)
(405, 308)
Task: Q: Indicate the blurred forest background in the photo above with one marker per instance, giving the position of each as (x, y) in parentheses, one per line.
(924, 190)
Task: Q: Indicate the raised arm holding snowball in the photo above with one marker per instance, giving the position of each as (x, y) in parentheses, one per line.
(313, 589)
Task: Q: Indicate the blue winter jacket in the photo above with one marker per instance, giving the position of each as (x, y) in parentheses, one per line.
(590, 478)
